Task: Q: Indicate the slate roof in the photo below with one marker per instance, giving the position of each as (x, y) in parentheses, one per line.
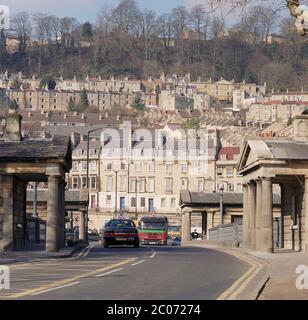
(188, 198)
(27, 150)
(288, 149)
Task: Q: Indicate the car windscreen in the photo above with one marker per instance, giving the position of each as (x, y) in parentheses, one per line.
(173, 229)
(153, 225)
(120, 224)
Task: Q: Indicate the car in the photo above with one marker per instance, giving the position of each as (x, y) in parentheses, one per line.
(121, 232)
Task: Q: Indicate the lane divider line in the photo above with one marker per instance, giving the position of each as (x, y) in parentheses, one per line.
(153, 255)
(135, 264)
(106, 273)
(69, 280)
(56, 288)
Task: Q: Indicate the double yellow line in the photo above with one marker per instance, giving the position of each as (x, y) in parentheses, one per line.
(238, 287)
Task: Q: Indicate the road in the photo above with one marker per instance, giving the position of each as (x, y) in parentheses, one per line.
(160, 273)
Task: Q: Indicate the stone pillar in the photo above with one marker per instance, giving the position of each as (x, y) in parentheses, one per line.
(186, 226)
(251, 207)
(266, 219)
(82, 225)
(245, 217)
(61, 214)
(259, 215)
(305, 217)
(8, 213)
(53, 216)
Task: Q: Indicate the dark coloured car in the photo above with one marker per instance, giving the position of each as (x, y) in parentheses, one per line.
(121, 232)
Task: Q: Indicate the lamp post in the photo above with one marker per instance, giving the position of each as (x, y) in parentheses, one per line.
(221, 196)
(116, 190)
(87, 184)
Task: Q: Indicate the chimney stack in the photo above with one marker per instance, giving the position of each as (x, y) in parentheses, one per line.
(12, 131)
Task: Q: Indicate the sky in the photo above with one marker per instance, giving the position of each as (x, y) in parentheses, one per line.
(85, 10)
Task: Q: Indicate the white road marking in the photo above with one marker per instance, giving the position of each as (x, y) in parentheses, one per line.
(135, 264)
(106, 273)
(153, 255)
(56, 288)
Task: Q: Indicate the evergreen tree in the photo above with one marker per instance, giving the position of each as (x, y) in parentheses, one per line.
(137, 103)
(87, 31)
(70, 106)
(84, 102)
(3, 52)
(14, 104)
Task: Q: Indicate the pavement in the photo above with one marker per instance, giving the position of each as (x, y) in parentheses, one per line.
(117, 273)
(35, 252)
(276, 279)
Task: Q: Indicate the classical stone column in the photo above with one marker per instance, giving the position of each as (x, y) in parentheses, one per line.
(266, 219)
(245, 217)
(258, 221)
(305, 217)
(82, 225)
(186, 226)
(8, 210)
(62, 214)
(53, 216)
(251, 207)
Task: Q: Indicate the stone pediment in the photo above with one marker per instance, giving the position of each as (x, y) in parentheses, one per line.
(254, 150)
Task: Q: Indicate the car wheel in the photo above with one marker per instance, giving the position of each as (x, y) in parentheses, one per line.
(137, 245)
(106, 244)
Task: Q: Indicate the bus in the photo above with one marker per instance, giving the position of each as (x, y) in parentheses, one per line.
(153, 230)
(174, 232)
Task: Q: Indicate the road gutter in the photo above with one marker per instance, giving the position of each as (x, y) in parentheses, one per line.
(250, 285)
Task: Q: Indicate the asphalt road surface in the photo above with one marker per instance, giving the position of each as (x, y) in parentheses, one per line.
(160, 273)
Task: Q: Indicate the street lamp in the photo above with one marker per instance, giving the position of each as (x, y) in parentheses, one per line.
(116, 190)
(87, 183)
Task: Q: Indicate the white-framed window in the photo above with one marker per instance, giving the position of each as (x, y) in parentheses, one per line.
(75, 166)
(83, 165)
(83, 182)
(133, 202)
(92, 152)
(168, 167)
(137, 166)
(200, 166)
(151, 185)
(142, 202)
(123, 166)
(230, 187)
(163, 203)
(229, 171)
(184, 167)
(200, 185)
(219, 171)
(93, 166)
(109, 166)
(132, 185)
(122, 183)
(109, 182)
(168, 185)
(93, 182)
(75, 183)
(151, 166)
(239, 187)
(184, 184)
(141, 185)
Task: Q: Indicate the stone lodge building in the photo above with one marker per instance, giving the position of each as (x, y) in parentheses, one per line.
(21, 161)
(267, 162)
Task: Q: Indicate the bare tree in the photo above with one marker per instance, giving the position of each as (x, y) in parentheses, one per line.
(199, 20)
(165, 28)
(22, 26)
